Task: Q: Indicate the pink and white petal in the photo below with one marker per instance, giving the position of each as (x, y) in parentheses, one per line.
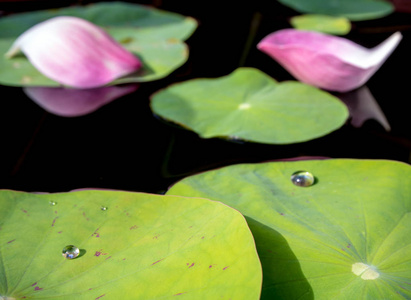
(326, 61)
(75, 52)
(67, 102)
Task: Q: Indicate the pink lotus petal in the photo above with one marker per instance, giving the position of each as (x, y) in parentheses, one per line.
(74, 102)
(326, 61)
(75, 52)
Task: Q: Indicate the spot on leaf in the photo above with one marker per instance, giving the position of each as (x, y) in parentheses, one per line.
(365, 271)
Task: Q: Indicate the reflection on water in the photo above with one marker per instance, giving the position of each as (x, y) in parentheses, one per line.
(402, 5)
(363, 106)
(66, 102)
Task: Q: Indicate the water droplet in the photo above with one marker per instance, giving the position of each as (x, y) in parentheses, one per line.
(302, 178)
(52, 203)
(70, 252)
(103, 208)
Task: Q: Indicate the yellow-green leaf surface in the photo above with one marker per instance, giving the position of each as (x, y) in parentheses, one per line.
(347, 236)
(132, 246)
(322, 23)
(155, 36)
(250, 105)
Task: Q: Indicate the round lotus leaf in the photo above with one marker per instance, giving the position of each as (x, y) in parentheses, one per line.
(345, 236)
(321, 23)
(155, 36)
(249, 105)
(355, 10)
(120, 245)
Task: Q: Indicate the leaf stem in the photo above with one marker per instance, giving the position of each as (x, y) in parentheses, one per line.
(254, 25)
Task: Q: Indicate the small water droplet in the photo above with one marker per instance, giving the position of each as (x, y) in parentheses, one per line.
(70, 252)
(103, 208)
(302, 178)
(52, 203)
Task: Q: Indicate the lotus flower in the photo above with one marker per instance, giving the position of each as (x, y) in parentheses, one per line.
(75, 52)
(76, 102)
(326, 61)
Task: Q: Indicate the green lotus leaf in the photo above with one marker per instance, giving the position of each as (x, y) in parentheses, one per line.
(355, 10)
(155, 36)
(250, 105)
(344, 237)
(132, 246)
(322, 23)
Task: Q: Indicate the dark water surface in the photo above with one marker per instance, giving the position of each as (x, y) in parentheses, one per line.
(123, 146)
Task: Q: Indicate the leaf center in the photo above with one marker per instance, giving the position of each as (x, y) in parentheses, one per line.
(244, 106)
(365, 271)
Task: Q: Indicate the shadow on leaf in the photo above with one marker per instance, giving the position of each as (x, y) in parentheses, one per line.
(282, 274)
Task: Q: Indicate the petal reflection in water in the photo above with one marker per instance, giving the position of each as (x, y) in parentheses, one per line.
(363, 106)
(402, 5)
(67, 102)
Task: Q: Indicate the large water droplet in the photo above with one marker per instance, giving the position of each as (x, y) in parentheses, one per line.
(302, 178)
(70, 252)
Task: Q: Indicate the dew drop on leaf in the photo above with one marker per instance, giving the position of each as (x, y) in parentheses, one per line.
(302, 178)
(70, 252)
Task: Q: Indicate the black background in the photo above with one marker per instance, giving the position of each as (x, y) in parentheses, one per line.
(124, 146)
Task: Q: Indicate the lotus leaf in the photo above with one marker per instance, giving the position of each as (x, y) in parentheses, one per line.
(155, 36)
(344, 237)
(355, 10)
(131, 246)
(321, 23)
(250, 105)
